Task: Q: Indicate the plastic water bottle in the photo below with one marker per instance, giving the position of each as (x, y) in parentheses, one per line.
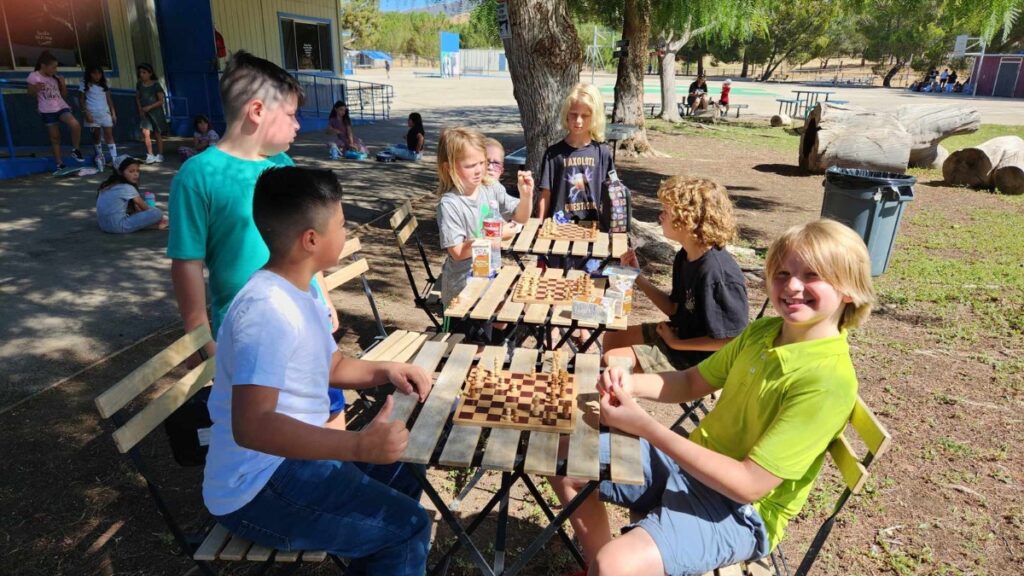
(150, 198)
(492, 230)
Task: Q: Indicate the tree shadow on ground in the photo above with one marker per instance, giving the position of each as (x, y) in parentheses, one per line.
(782, 169)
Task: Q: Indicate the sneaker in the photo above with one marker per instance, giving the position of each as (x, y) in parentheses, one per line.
(60, 167)
(99, 163)
(77, 155)
(158, 158)
(150, 159)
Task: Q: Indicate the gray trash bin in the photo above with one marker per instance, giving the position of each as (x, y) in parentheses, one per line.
(872, 204)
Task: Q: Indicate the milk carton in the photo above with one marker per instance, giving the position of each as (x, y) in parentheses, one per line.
(481, 257)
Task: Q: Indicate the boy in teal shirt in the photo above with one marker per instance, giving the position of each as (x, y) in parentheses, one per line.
(211, 196)
(787, 389)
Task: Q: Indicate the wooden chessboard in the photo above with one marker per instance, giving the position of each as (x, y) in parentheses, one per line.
(487, 407)
(571, 232)
(555, 291)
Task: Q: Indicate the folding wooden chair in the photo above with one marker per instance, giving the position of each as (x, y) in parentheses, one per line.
(854, 472)
(404, 225)
(214, 543)
(359, 267)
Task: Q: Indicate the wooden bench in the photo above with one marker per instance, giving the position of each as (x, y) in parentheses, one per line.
(151, 402)
(854, 472)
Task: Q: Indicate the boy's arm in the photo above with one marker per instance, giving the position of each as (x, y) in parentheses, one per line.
(700, 343)
(190, 292)
(666, 387)
(656, 295)
(543, 202)
(741, 481)
(356, 374)
(524, 181)
(256, 425)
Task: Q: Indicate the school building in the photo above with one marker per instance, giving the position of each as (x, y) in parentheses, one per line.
(999, 75)
(187, 42)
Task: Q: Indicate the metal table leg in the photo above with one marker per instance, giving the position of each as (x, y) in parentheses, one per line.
(554, 525)
(453, 522)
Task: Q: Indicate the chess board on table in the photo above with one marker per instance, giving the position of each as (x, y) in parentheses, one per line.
(534, 289)
(552, 230)
(526, 401)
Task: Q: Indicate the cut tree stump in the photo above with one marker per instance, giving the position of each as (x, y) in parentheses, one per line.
(852, 137)
(976, 166)
(781, 120)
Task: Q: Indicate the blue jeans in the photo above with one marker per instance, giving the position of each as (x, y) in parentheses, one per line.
(402, 152)
(367, 512)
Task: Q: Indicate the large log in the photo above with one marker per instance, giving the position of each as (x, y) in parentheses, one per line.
(975, 166)
(853, 137)
(931, 123)
(1008, 175)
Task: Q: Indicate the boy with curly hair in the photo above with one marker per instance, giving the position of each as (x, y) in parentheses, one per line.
(708, 303)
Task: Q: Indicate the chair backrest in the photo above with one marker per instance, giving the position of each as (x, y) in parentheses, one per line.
(357, 268)
(403, 223)
(115, 398)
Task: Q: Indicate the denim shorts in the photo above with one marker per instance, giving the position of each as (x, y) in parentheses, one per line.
(369, 513)
(51, 118)
(695, 528)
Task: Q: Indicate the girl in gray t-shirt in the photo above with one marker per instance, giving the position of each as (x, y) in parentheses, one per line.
(119, 207)
(466, 201)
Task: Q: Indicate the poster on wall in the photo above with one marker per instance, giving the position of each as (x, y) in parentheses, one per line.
(450, 58)
(74, 32)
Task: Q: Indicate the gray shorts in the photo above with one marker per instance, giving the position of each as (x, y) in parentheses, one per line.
(695, 528)
(655, 356)
(100, 119)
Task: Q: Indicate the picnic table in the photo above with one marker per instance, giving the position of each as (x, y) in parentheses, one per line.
(515, 454)
(487, 300)
(525, 241)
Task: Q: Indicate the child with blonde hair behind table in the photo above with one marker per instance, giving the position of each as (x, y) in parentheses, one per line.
(574, 171)
(466, 201)
(50, 90)
(99, 112)
(787, 388)
(707, 306)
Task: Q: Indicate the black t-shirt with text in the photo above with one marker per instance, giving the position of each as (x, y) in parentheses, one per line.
(576, 177)
(711, 294)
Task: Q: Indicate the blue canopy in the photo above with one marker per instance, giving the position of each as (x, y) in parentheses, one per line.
(377, 55)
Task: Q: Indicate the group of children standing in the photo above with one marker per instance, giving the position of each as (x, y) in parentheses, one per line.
(284, 471)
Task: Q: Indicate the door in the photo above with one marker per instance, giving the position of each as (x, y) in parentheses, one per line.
(190, 62)
(1006, 79)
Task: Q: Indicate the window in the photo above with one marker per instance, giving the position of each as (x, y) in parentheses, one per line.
(306, 45)
(75, 31)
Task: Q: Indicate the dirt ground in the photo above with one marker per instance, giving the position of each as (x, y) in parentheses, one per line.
(70, 504)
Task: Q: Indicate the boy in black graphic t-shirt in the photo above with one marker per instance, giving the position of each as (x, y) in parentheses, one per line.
(574, 170)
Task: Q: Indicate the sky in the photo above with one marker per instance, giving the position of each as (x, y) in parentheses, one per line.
(392, 5)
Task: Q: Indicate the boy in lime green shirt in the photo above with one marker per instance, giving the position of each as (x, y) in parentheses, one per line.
(211, 196)
(787, 388)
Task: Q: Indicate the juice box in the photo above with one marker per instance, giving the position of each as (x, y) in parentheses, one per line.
(481, 257)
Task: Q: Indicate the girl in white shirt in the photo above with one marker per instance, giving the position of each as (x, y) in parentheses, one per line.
(99, 112)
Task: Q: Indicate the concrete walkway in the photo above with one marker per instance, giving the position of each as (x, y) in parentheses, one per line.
(71, 295)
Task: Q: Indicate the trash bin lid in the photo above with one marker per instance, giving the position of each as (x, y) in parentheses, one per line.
(860, 179)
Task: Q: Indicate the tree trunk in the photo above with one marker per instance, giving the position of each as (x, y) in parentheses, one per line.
(669, 109)
(545, 60)
(887, 79)
(976, 167)
(746, 64)
(852, 137)
(929, 124)
(700, 64)
(629, 83)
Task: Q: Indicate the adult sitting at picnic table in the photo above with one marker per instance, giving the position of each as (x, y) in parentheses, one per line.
(698, 94)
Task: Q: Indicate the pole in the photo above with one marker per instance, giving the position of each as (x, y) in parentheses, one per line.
(593, 56)
(974, 77)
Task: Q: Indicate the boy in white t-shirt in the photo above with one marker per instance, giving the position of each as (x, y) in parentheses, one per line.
(278, 473)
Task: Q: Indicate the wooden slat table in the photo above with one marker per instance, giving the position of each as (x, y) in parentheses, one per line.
(516, 454)
(607, 245)
(490, 300)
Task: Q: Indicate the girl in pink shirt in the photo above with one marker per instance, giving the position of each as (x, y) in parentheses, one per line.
(50, 90)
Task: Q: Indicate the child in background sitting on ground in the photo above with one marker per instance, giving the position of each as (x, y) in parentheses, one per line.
(99, 112)
(50, 90)
(339, 123)
(279, 473)
(708, 303)
(466, 201)
(412, 149)
(119, 207)
(574, 170)
(787, 388)
(203, 137)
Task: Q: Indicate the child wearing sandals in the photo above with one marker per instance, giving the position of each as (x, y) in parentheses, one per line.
(708, 303)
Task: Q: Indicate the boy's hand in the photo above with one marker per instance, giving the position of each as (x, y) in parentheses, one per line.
(524, 181)
(629, 258)
(619, 410)
(668, 335)
(408, 379)
(615, 376)
(381, 441)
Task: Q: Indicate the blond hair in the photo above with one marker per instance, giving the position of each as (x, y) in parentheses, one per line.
(701, 206)
(838, 255)
(451, 148)
(589, 96)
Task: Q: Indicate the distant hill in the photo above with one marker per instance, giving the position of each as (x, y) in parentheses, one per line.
(452, 9)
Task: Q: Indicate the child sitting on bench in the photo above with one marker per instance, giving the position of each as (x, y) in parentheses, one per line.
(787, 388)
(278, 473)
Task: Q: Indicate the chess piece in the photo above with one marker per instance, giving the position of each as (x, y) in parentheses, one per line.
(506, 413)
